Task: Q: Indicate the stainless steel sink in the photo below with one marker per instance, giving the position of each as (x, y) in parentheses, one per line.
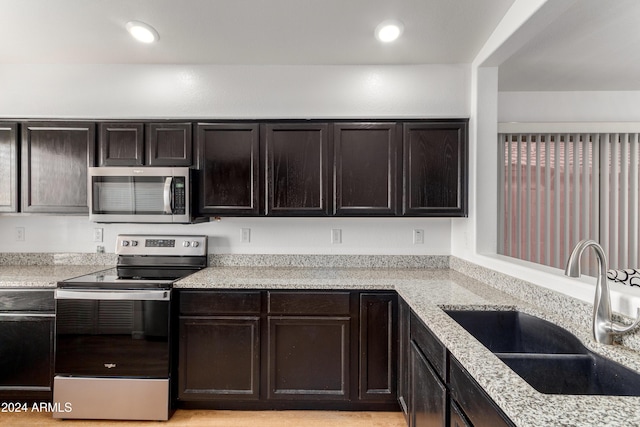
(548, 357)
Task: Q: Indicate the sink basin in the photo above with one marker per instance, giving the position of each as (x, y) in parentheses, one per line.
(546, 356)
(574, 374)
(516, 332)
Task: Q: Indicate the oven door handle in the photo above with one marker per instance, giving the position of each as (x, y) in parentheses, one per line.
(152, 295)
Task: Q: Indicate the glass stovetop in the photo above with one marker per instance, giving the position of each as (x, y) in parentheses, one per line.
(110, 278)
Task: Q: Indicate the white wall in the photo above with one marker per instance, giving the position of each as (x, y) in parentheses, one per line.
(475, 239)
(235, 92)
(368, 236)
(241, 92)
(600, 106)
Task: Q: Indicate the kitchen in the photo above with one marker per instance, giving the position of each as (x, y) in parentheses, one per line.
(149, 88)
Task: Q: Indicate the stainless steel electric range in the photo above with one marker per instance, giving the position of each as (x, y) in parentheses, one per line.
(114, 330)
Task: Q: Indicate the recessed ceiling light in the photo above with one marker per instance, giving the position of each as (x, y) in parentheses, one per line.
(142, 32)
(389, 31)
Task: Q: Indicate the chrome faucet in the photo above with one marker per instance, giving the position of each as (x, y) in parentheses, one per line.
(604, 328)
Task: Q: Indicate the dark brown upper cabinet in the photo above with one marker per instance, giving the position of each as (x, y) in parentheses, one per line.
(8, 167)
(169, 144)
(121, 144)
(297, 169)
(366, 162)
(228, 159)
(435, 168)
(55, 157)
(150, 144)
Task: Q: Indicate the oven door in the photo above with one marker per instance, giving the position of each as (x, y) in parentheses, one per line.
(104, 333)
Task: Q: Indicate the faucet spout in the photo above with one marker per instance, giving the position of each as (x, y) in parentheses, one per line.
(604, 328)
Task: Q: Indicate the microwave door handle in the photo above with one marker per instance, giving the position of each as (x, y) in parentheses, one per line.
(167, 195)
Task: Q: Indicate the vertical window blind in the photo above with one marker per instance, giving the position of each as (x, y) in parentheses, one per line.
(557, 188)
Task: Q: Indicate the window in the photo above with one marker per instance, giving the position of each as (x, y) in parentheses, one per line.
(559, 188)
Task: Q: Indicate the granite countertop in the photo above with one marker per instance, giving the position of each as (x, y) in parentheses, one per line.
(42, 276)
(428, 292)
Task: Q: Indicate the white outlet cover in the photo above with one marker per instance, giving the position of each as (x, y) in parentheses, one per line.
(336, 235)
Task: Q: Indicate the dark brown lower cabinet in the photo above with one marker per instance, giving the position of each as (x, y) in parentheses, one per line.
(456, 417)
(220, 357)
(428, 405)
(27, 321)
(403, 357)
(378, 349)
(308, 358)
(284, 349)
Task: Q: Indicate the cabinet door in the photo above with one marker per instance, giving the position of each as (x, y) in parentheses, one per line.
(8, 167)
(169, 144)
(377, 376)
(435, 168)
(219, 358)
(228, 158)
(366, 157)
(403, 356)
(473, 401)
(297, 169)
(121, 144)
(55, 157)
(308, 358)
(456, 416)
(428, 403)
(26, 356)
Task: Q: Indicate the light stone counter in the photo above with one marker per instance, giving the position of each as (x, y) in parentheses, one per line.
(428, 291)
(41, 276)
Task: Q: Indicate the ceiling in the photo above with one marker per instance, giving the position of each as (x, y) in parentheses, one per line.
(246, 31)
(594, 45)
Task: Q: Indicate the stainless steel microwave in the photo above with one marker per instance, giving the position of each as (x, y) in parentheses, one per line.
(140, 194)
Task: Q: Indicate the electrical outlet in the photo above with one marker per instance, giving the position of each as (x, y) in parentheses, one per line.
(98, 234)
(245, 235)
(418, 236)
(20, 234)
(336, 235)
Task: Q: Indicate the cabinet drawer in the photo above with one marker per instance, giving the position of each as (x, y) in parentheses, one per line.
(309, 303)
(219, 302)
(473, 401)
(428, 344)
(27, 300)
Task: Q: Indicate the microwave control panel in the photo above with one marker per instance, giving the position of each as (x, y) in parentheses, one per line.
(179, 196)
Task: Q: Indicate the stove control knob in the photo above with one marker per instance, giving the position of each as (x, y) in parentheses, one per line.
(134, 243)
(125, 243)
(195, 244)
(186, 244)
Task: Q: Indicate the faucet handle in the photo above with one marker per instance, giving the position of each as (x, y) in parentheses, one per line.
(619, 328)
